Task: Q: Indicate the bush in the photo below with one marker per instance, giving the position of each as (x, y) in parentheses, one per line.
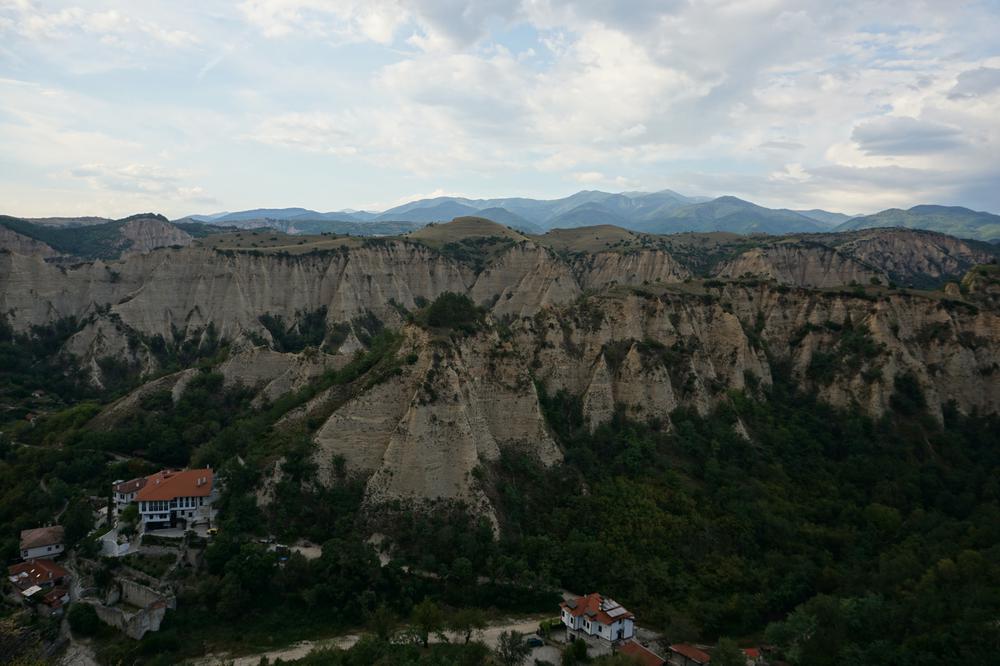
(456, 311)
(83, 619)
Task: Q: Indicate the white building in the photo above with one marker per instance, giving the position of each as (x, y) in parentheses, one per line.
(176, 499)
(41, 542)
(124, 492)
(597, 616)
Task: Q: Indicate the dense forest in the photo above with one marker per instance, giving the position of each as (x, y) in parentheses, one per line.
(835, 537)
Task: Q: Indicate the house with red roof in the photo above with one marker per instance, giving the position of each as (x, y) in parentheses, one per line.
(598, 617)
(176, 498)
(124, 492)
(683, 654)
(641, 654)
(32, 578)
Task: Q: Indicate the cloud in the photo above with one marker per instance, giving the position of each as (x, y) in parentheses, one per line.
(312, 132)
(111, 27)
(140, 179)
(782, 101)
(976, 83)
(905, 136)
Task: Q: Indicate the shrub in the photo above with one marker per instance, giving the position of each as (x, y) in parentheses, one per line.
(455, 311)
(83, 619)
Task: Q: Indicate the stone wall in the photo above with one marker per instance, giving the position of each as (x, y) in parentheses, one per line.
(152, 607)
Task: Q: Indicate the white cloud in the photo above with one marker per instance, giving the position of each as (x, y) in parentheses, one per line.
(779, 101)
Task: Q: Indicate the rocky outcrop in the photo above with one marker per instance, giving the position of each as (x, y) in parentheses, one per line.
(629, 268)
(800, 265)
(524, 279)
(422, 434)
(145, 234)
(184, 290)
(912, 257)
(11, 241)
(273, 373)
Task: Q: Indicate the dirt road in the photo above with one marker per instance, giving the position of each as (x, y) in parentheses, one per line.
(490, 635)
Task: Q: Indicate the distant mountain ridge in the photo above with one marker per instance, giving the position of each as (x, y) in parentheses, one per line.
(665, 211)
(662, 212)
(952, 220)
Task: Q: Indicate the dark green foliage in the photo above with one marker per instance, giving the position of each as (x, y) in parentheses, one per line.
(854, 350)
(83, 619)
(168, 433)
(93, 241)
(452, 311)
(476, 250)
(33, 362)
(78, 519)
(699, 527)
(511, 649)
(308, 330)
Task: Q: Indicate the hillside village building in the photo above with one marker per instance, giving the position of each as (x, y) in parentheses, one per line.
(170, 498)
(40, 581)
(124, 492)
(42, 542)
(597, 616)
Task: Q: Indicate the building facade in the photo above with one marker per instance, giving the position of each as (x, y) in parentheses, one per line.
(598, 617)
(176, 499)
(42, 542)
(124, 492)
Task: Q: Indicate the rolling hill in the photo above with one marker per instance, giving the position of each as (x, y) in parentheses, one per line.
(952, 220)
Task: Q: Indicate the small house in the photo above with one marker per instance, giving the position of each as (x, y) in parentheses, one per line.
(641, 654)
(42, 542)
(597, 616)
(683, 654)
(31, 579)
(124, 492)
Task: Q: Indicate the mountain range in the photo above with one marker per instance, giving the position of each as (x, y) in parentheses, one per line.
(662, 212)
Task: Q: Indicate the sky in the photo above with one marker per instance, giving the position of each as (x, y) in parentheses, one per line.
(180, 107)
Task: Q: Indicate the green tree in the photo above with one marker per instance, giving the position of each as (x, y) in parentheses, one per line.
(83, 619)
(727, 653)
(382, 621)
(511, 649)
(427, 618)
(467, 621)
(77, 521)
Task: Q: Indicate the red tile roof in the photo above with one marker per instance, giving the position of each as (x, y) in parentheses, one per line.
(130, 486)
(752, 653)
(54, 599)
(39, 572)
(168, 484)
(642, 655)
(690, 652)
(41, 536)
(595, 607)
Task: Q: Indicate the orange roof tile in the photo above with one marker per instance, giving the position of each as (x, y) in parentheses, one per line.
(593, 606)
(642, 655)
(168, 484)
(39, 572)
(131, 485)
(691, 652)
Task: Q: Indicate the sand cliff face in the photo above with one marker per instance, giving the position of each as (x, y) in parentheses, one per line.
(145, 234)
(913, 256)
(12, 241)
(422, 434)
(621, 331)
(801, 265)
